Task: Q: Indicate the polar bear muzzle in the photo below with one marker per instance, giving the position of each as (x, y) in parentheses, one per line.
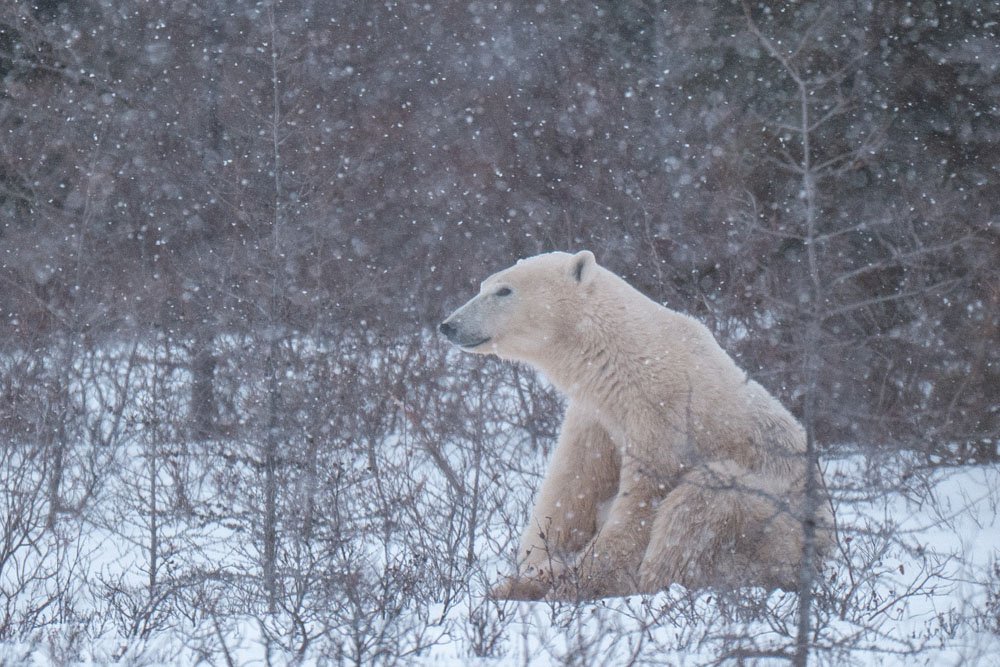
(460, 337)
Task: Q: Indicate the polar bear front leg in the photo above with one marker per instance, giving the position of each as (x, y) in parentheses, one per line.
(583, 473)
(609, 564)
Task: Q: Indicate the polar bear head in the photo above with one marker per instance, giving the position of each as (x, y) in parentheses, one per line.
(523, 310)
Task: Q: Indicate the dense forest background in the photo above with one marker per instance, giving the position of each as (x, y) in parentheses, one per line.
(228, 230)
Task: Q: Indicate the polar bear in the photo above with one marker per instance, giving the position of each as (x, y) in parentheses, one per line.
(672, 466)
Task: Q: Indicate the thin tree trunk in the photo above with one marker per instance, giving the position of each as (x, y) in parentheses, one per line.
(56, 474)
(272, 436)
(807, 574)
(203, 364)
(60, 414)
(270, 480)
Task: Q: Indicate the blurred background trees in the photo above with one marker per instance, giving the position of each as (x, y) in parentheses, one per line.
(156, 175)
(261, 210)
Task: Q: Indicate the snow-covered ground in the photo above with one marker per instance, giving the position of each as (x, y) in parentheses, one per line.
(915, 582)
(916, 572)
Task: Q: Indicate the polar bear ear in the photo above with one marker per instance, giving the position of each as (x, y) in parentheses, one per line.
(583, 266)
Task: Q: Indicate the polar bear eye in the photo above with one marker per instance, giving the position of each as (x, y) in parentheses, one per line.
(504, 291)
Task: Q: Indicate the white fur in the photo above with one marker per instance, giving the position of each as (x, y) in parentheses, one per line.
(698, 469)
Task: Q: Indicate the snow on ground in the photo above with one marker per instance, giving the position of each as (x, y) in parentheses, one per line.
(913, 593)
(915, 582)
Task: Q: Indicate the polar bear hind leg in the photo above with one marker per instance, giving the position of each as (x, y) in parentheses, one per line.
(722, 527)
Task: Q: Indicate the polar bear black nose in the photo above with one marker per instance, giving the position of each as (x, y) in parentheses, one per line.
(447, 329)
